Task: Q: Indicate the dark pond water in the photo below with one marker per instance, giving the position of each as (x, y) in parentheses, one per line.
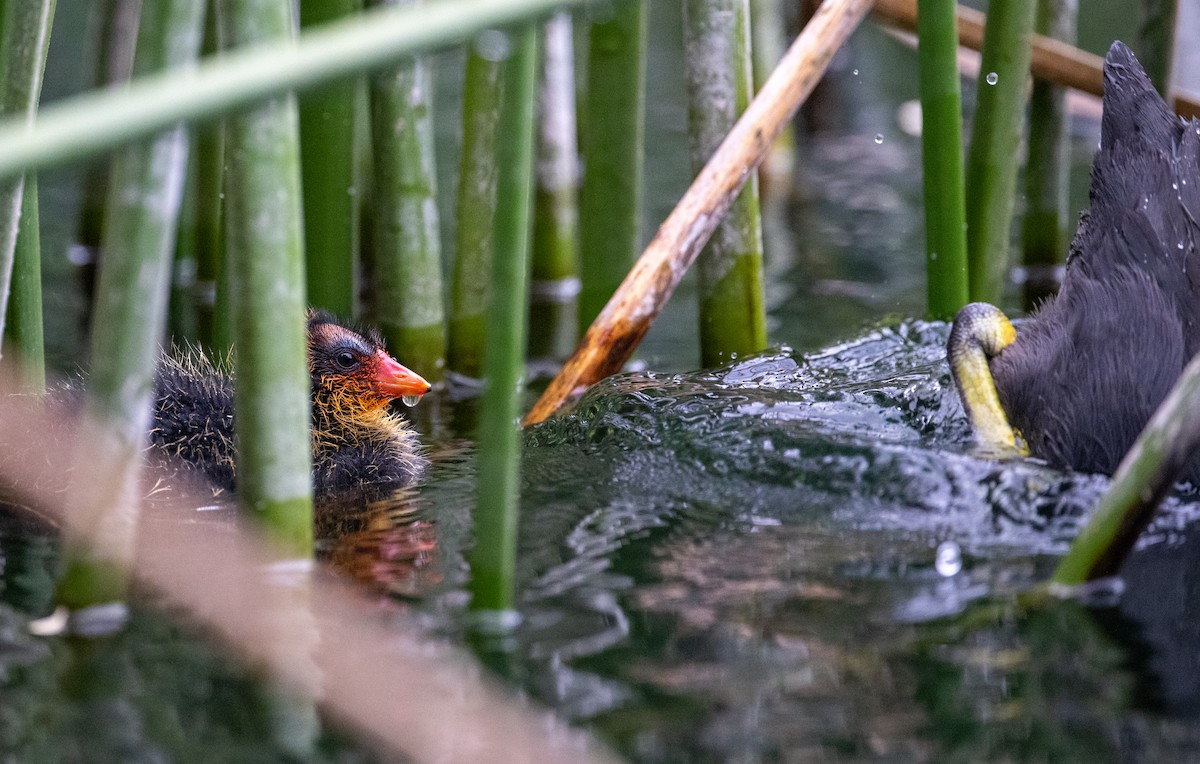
(793, 558)
(798, 558)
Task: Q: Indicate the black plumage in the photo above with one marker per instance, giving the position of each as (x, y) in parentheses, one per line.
(1086, 372)
(193, 418)
(357, 442)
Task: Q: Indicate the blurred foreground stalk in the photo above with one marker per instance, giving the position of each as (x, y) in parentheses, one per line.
(129, 318)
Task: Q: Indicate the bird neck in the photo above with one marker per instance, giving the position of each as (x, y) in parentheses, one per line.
(980, 332)
(340, 419)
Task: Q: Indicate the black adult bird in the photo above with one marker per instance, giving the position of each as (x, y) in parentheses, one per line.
(356, 441)
(1082, 377)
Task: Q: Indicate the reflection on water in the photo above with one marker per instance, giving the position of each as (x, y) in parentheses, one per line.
(386, 544)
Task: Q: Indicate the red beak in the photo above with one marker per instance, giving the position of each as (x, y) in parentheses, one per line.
(394, 380)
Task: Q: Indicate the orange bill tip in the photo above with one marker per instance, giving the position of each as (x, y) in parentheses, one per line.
(397, 381)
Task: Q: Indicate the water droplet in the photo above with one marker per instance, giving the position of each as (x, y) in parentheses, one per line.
(879, 137)
(933, 255)
(1179, 245)
(855, 72)
(410, 400)
(992, 78)
(948, 560)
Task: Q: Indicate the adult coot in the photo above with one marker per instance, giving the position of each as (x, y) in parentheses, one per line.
(1080, 379)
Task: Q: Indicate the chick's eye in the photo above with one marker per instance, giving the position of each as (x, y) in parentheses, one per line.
(345, 360)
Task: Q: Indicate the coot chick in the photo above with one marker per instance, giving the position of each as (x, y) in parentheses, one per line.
(356, 441)
(1078, 382)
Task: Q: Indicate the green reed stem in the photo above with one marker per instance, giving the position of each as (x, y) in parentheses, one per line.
(199, 246)
(768, 33)
(266, 264)
(942, 159)
(329, 176)
(408, 254)
(475, 211)
(767, 29)
(493, 558)
(24, 36)
(554, 289)
(1047, 170)
(720, 85)
(212, 271)
(113, 28)
(128, 321)
(24, 327)
(995, 140)
(201, 241)
(610, 201)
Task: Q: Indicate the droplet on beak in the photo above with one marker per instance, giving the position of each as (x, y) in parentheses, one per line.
(410, 400)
